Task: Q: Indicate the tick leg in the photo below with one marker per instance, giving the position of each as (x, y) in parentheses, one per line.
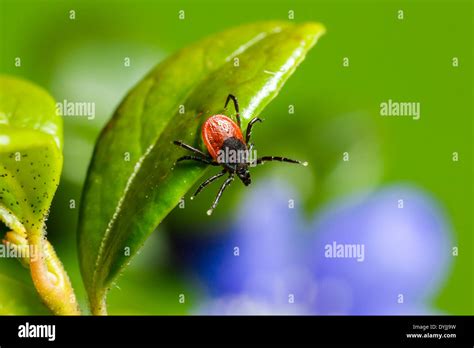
(206, 160)
(264, 159)
(236, 107)
(219, 194)
(249, 128)
(251, 159)
(190, 148)
(207, 182)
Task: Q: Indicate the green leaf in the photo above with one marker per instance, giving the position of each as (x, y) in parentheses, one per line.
(30, 155)
(30, 167)
(132, 183)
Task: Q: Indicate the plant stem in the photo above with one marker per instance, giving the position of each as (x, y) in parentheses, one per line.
(98, 304)
(48, 274)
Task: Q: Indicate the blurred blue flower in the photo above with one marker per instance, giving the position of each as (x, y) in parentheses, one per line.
(383, 253)
(406, 252)
(259, 257)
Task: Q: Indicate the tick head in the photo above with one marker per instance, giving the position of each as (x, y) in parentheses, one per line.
(244, 174)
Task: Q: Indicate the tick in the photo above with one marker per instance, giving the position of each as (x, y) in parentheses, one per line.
(227, 148)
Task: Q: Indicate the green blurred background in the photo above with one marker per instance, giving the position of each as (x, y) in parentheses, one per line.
(336, 110)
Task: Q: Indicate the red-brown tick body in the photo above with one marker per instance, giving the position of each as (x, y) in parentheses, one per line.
(217, 130)
(227, 148)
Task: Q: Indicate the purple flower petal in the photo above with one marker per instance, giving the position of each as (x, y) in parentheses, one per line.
(404, 250)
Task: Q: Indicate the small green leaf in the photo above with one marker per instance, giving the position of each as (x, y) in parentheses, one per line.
(30, 154)
(132, 183)
(30, 167)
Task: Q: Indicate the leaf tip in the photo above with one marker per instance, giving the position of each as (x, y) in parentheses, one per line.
(312, 31)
